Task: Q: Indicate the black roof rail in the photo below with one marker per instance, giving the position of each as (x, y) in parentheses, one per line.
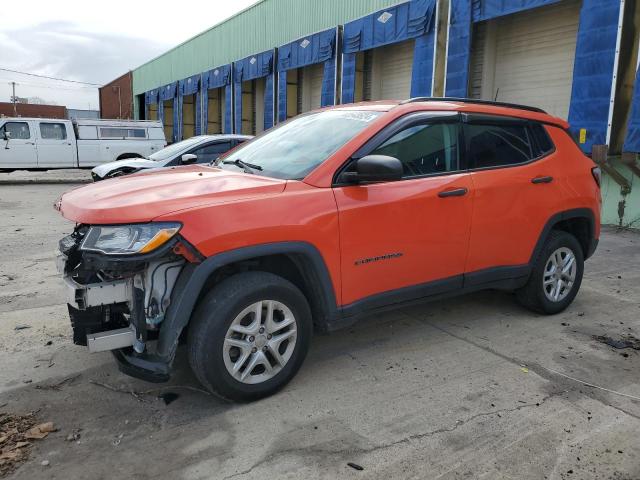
(473, 101)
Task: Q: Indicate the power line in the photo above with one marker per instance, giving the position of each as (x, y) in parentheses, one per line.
(50, 78)
(51, 87)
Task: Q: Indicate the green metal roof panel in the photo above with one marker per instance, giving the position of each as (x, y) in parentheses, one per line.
(265, 25)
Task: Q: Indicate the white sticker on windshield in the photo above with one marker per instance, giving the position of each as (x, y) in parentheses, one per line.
(361, 116)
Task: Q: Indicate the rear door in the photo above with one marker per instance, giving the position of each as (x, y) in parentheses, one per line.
(56, 145)
(511, 163)
(407, 239)
(20, 150)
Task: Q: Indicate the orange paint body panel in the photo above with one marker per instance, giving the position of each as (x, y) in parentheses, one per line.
(419, 236)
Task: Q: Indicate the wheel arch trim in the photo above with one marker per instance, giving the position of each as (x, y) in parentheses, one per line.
(194, 277)
(585, 213)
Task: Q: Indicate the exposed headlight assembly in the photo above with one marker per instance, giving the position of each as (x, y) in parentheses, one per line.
(128, 239)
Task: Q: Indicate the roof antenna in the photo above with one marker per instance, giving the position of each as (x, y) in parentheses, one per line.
(496, 97)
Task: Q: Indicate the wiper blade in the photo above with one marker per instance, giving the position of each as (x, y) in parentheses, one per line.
(247, 167)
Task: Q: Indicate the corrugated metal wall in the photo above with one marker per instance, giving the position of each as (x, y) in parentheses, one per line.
(267, 24)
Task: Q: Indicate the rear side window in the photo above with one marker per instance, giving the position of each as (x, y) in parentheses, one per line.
(498, 145)
(53, 131)
(17, 130)
(543, 143)
(122, 133)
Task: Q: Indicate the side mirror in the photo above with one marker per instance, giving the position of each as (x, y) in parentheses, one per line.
(374, 168)
(188, 158)
(7, 136)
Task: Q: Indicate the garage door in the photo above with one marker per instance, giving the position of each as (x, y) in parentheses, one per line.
(528, 57)
(316, 73)
(392, 66)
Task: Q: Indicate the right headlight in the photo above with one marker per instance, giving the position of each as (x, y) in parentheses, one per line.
(128, 239)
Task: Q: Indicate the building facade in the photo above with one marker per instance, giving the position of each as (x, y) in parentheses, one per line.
(576, 59)
(116, 98)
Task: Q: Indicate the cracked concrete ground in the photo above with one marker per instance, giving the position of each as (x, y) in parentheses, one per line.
(472, 387)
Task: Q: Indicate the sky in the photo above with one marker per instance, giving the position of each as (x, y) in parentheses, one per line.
(77, 40)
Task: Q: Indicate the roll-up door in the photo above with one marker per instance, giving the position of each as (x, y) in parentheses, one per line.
(215, 110)
(168, 119)
(188, 116)
(153, 111)
(391, 74)
(314, 74)
(528, 57)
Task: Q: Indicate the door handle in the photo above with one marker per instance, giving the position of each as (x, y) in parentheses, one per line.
(456, 192)
(538, 180)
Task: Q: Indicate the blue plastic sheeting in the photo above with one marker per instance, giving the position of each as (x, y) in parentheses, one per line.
(189, 86)
(309, 50)
(593, 70)
(391, 25)
(632, 140)
(487, 9)
(250, 68)
(459, 49)
(168, 91)
(402, 22)
(316, 48)
(463, 13)
(218, 78)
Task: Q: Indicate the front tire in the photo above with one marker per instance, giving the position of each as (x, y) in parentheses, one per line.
(556, 276)
(249, 336)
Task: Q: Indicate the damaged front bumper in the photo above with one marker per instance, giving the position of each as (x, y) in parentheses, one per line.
(119, 304)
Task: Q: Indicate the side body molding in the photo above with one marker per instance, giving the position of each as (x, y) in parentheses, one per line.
(193, 278)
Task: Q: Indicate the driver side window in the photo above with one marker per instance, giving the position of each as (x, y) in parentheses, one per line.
(424, 149)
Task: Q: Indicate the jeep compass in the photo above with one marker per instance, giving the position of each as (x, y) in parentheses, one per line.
(328, 217)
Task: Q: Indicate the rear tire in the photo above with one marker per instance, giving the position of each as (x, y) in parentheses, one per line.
(556, 276)
(249, 336)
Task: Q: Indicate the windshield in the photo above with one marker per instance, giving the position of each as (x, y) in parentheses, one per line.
(295, 148)
(172, 150)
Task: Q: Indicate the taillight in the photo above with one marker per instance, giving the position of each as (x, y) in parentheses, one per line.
(597, 175)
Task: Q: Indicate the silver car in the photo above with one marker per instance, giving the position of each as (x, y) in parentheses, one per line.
(199, 149)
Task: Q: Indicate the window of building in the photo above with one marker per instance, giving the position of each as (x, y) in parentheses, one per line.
(17, 130)
(424, 149)
(53, 131)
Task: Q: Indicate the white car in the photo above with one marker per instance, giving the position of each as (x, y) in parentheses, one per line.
(199, 149)
(45, 143)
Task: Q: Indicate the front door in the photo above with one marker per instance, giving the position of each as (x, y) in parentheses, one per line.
(19, 151)
(409, 238)
(56, 147)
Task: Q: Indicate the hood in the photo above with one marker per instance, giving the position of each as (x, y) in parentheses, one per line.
(145, 196)
(137, 163)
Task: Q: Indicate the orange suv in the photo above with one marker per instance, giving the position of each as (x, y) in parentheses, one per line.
(330, 216)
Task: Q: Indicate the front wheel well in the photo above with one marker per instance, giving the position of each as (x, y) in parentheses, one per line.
(580, 228)
(296, 268)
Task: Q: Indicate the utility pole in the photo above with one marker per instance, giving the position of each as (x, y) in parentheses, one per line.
(15, 109)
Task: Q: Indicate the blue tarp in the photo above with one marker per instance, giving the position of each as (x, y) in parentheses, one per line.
(218, 78)
(459, 49)
(463, 12)
(593, 70)
(168, 92)
(189, 86)
(250, 68)
(487, 9)
(309, 50)
(632, 140)
(401, 22)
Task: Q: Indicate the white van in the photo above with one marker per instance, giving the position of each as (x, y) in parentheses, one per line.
(54, 143)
